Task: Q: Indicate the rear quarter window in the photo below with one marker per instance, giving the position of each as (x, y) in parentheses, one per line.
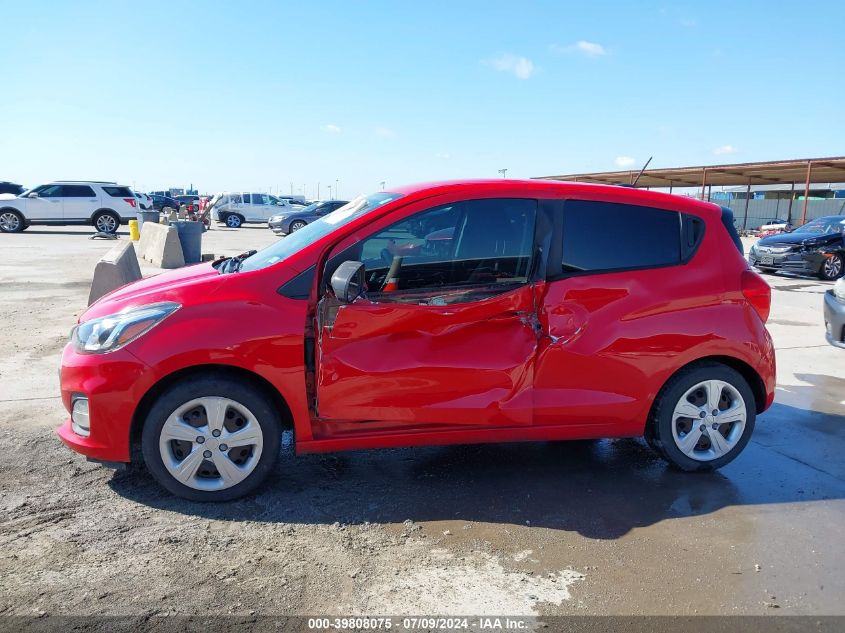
(605, 236)
(118, 192)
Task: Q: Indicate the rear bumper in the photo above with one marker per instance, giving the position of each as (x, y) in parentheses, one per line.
(834, 319)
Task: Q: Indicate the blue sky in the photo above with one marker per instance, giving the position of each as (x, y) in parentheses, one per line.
(254, 95)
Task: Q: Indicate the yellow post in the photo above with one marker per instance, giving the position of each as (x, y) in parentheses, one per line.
(134, 233)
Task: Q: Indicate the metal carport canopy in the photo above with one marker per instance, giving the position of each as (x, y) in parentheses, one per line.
(804, 171)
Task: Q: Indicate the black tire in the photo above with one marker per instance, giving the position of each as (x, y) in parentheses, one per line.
(185, 391)
(233, 221)
(659, 427)
(832, 268)
(296, 225)
(766, 271)
(11, 221)
(106, 221)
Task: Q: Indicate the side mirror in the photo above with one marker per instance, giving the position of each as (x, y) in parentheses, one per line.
(32, 195)
(348, 281)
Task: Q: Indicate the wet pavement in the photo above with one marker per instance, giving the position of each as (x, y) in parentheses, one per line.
(598, 527)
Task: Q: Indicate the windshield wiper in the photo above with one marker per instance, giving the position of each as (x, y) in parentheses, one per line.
(232, 264)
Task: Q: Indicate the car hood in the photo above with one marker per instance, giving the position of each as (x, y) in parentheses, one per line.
(799, 238)
(175, 285)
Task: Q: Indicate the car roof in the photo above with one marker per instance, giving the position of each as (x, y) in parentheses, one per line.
(553, 188)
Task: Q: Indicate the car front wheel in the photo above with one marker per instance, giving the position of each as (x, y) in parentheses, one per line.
(211, 439)
(702, 418)
(11, 222)
(832, 267)
(295, 226)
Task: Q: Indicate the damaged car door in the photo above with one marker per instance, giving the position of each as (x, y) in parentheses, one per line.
(443, 333)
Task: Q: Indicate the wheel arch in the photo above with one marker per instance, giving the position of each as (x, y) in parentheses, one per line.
(755, 382)
(105, 210)
(229, 371)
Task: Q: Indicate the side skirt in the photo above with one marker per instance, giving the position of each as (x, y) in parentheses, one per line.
(470, 436)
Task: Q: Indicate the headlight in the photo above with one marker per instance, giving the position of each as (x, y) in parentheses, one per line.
(839, 289)
(112, 332)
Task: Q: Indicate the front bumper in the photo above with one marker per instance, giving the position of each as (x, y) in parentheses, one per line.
(834, 319)
(807, 263)
(114, 384)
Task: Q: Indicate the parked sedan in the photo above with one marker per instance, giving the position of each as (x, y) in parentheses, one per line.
(817, 248)
(834, 314)
(159, 202)
(284, 223)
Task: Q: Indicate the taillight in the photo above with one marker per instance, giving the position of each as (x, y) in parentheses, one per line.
(130, 201)
(757, 292)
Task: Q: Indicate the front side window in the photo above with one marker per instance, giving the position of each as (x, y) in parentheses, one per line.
(260, 198)
(454, 253)
(49, 191)
(605, 236)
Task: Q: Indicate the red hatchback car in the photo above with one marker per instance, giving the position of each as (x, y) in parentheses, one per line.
(483, 311)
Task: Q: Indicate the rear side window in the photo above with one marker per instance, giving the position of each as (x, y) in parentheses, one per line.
(605, 236)
(77, 191)
(118, 192)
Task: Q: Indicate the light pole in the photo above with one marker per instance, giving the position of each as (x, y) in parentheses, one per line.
(318, 190)
(336, 188)
(330, 193)
(503, 172)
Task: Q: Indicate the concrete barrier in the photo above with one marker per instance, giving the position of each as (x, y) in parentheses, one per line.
(159, 245)
(117, 268)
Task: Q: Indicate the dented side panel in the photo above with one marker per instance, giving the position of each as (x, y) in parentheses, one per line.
(399, 365)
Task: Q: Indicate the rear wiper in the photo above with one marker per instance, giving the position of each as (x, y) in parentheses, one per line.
(232, 264)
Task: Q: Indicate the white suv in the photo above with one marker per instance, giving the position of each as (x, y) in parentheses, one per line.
(105, 205)
(235, 208)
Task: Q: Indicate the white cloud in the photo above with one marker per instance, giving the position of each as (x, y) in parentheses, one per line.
(384, 132)
(687, 22)
(582, 47)
(624, 161)
(331, 129)
(725, 149)
(443, 155)
(519, 67)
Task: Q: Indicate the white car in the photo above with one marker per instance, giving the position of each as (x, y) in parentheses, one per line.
(105, 205)
(145, 201)
(236, 208)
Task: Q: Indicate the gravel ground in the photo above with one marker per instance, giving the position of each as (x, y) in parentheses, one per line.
(550, 528)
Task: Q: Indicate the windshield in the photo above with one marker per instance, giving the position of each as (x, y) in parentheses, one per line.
(318, 229)
(832, 224)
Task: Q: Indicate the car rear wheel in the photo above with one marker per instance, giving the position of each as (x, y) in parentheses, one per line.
(11, 222)
(702, 418)
(234, 221)
(211, 439)
(296, 225)
(106, 222)
(832, 268)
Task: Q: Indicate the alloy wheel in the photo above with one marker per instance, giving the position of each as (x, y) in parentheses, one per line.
(106, 223)
(709, 420)
(9, 222)
(832, 267)
(296, 226)
(211, 443)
